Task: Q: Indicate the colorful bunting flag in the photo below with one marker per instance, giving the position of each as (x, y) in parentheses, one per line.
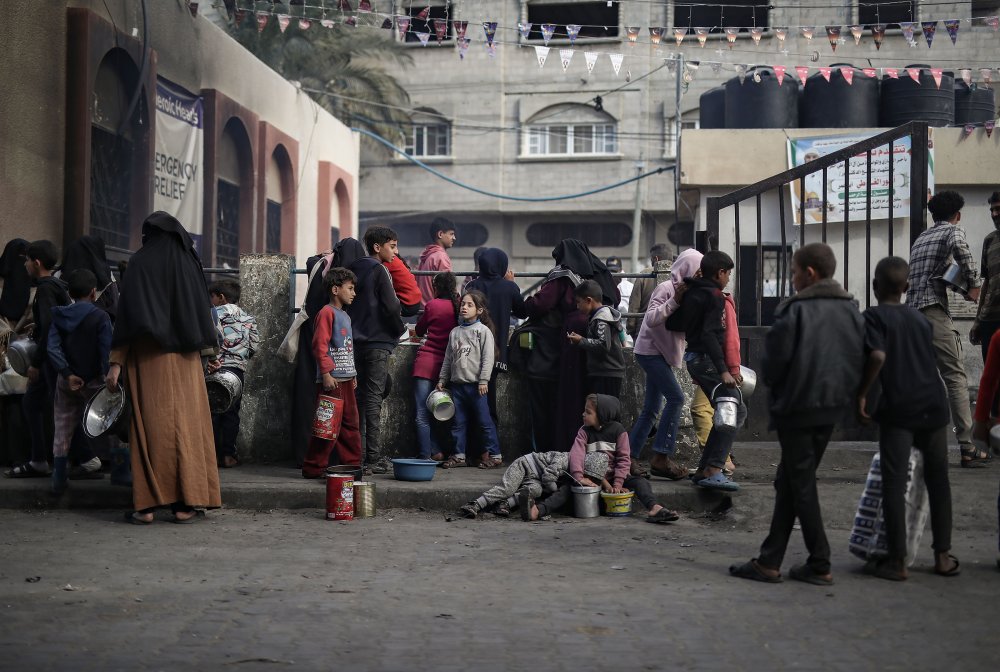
(591, 57)
(892, 72)
(344, 6)
(781, 34)
(779, 72)
(283, 21)
(655, 35)
(632, 34)
(304, 24)
(490, 28)
(731, 34)
(365, 6)
(572, 30)
(351, 21)
(833, 34)
(803, 73)
(848, 74)
(386, 23)
(424, 13)
(679, 34)
(463, 46)
(548, 29)
(565, 56)
(929, 27)
(951, 25)
(908, 28)
(261, 21)
(808, 31)
(826, 73)
(993, 22)
(541, 53)
(460, 28)
(402, 25)
(986, 74)
(330, 23)
(755, 34)
(423, 37)
(524, 29)
(989, 126)
(856, 31)
(966, 75)
(878, 34)
(967, 130)
(870, 72)
(936, 74)
(914, 74)
(440, 29)
(702, 35)
(616, 62)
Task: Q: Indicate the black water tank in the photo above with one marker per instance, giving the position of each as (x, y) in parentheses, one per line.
(903, 100)
(837, 104)
(712, 108)
(762, 104)
(973, 105)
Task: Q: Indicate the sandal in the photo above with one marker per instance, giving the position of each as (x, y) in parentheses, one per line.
(664, 515)
(469, 511)
(501, 509)
(196, 515)
(974, 458)
(26, 471)
(807, 574)
(135, 518)
(452, 462)
(491, 463)
(954, 571)
(751, 570)
(881, 569)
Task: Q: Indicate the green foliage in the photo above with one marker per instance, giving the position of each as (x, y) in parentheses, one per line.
(355, 64)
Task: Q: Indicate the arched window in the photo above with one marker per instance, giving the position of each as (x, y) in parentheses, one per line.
(570, 129)
(234, 177)
(429, 135)
(278, 189)
(113, 148)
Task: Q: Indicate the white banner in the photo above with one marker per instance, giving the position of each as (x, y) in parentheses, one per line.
(178, 185)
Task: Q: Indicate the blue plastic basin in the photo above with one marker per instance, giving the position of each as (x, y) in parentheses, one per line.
(407, 469)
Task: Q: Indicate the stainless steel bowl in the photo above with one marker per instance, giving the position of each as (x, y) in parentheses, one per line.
(224, 389)
(107, 412)
(749, 383)
(19, 354)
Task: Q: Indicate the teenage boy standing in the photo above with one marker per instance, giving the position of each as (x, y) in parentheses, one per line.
(435, 256)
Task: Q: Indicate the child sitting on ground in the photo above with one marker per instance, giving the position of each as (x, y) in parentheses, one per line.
(602, 344)
(79, 344)
(467, 367)
(538, 474)
(239, 342)
(601, 429)
(333, 348)
(912, 410)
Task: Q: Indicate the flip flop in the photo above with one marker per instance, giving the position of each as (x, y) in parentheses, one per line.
(719, 482)
(751, 570)
(664, 515)
(807, 574)
(26, 471)
(954, 571)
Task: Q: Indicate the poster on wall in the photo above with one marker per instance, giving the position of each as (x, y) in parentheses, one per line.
(856, 181)
(178, 187)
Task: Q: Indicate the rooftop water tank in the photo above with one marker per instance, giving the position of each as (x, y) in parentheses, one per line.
(837, 104)
(973, 105)
(764, 103)
(712, 108)
(903, 100)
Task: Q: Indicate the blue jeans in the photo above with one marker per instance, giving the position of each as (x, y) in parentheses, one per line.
(661, 384)
(422, 389)
(720, 440)
(469, 403)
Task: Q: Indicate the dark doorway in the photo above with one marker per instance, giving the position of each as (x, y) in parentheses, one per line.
(273, 236)
(768, 288)
(227, 230)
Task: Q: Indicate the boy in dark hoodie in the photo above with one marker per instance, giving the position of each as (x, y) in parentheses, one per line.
(503, 299)
(377, 325)
(813, 357)
(603, 342)
(40, 259)
(701, 318)
(79, 344)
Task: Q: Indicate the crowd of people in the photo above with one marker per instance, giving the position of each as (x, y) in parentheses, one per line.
(160, 328)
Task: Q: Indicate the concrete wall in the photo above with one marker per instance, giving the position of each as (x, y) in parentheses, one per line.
(190, 51)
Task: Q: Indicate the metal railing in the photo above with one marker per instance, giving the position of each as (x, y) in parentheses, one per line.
(918, 187)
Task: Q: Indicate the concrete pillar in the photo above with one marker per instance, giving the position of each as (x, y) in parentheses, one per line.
(267, 386)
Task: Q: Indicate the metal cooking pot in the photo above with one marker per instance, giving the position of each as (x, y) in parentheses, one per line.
(224, 390)
(107, 412)
(954, 279)
(749, 383)
(19, 354)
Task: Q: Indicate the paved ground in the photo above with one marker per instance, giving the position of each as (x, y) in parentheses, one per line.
(410, 591)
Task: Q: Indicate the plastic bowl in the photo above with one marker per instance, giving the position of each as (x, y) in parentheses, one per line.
(407, 469)
(617, 504)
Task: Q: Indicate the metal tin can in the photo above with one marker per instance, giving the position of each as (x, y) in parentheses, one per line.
(339, 497)
(364, 499)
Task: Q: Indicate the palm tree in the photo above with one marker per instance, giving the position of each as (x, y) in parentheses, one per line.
(343, 68)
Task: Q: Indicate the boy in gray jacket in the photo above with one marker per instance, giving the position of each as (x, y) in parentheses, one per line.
(603, 342)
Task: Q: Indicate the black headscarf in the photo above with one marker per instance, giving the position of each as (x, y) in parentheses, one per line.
(493, 265)
(164, 295)
(88, 252)
(345, 253)
(16, 281)
(609, 415)
(577, 257)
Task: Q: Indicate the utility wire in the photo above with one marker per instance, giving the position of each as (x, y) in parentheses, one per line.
(531, 199)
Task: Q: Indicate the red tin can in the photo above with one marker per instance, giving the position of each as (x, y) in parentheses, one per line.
(339, 497)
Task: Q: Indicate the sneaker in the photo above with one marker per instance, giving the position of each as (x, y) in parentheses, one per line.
(381, 466)
(469, 510)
